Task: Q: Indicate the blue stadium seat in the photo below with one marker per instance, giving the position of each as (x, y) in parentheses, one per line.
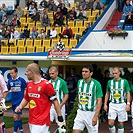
(10, 10)
(121, 22)
(128, 27)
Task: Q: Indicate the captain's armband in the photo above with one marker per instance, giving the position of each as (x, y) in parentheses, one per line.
(52, 98)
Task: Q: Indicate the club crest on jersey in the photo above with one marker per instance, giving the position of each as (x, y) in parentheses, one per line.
(117, 95)
(11, 83)
(39, 88)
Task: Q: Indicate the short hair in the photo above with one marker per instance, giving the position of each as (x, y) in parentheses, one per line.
(106, 71)
(53, 67)
(88, 66)
(15, 69)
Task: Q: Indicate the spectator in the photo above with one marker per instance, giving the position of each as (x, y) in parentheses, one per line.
(15, 22)
(98, 5)
(29, 2)
(8, 32)
(128, 20)
(5, 21)
(25, 33)
(52, 7)
(19, 12)
(83, 4)
(35, 17)
(34, 33)
(3, 11)
(42, 14)
(14, 34)
(59, 3)
(64, 9)
(127, 8)
(31, 10)
(44, 3)
(42, 34)
(2, 32)
(40, 10)
(90, 5)
(45, 20)
(67, 33)
(71, 15)
(81, 14)
(52, 33)
(83, 33)
(58, 18)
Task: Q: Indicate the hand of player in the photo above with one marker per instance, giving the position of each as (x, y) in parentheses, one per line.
(127, 107)
(94, 121)
(18, 109)
(106, 108)
(61, 122)
(3, 104)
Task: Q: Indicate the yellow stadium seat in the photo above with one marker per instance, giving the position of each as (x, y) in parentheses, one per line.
(4, 50)
(40, 49)
(48, 48)
(29, 20)
(23, 25)
(23, 19)
(30, 49)
(88, 13)
(38, 24)
(5, 41)
(79, 24)
(81, 30)
(50, 14)
(13, 50)
(95, 13)
(74, 29)
(29, 42)
(37, 42)
(73, 42)
(18, 29)
(54, 41)
(58, 29)
(13, 41)
(65, 40)
(20, 42)
(31, 25)
(71, 23)
(87, 22)
(46, 43)
(21, 50)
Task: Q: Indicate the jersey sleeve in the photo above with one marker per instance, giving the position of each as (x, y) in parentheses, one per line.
(49, 89)
(127, 87)
(26, 96)
(3, 84)
(99, 93)
(64, 87)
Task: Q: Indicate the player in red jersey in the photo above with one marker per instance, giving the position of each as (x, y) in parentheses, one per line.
(39, 94)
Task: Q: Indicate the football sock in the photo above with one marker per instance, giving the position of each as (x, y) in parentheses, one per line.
(112, 129)
(120, 129)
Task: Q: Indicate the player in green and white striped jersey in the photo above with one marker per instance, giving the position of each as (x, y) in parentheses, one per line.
(118, 91)
(89, 102)
(61, 91)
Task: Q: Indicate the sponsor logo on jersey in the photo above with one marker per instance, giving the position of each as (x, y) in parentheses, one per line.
(117, 95)
(85, 94)
(83, 101)
(34, 95)
(32, 104)
(117, 89)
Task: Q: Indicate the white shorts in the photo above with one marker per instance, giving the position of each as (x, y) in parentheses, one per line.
(53, 114)
(84, 118)
(117, 110)
(39, 128)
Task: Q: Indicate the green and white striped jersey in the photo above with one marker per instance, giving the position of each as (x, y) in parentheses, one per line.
(60, 87)
(118, 90)
(88, 92)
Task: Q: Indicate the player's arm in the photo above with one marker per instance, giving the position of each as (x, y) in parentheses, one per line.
(128, 101)
(23, 103)
(64, 100)
(106, 100)
(98, 108)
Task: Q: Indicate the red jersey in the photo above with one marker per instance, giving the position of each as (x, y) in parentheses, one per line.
(38, 95)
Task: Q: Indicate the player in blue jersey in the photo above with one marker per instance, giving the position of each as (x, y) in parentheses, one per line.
(17, 86)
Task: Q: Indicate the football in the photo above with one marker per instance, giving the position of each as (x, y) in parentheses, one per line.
(60, 46)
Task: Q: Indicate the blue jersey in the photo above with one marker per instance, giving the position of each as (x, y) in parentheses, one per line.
(17, 87)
